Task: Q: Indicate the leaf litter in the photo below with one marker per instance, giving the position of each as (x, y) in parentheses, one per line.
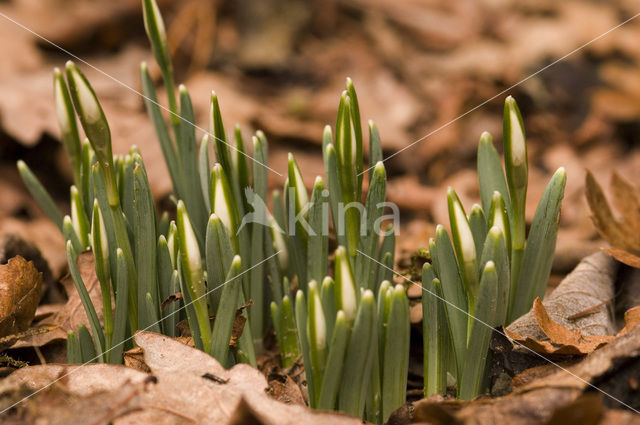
(446, 86)
(177, 389)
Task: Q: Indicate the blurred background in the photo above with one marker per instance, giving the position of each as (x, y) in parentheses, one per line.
(280, 66)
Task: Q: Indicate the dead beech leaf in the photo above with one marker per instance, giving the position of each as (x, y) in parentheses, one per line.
(587, 288)
(20, 290)
(72, 314)
(585, 410)
(93, 394)
(56, 406)
(69, 316)
(134, 359)
(283, 388)
(9, 340)
(624, 256)
(536, 372)
(621, 234)
(561, 339)
(180, 371)
(601, 214)
(626, 199)
(631, 318)
(560, 335)
(181, 393)
(537, 401)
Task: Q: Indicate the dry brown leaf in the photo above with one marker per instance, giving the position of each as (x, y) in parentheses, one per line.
(20, 290)
(56, 406)
(189, 387)
(624, 256)
(44, 235)
(9, 340)
(12, 245)
(180, 370)
(529, 375)
(631, 319)
(538, 401)
(623, 234)
(283, 388)
(562, 341)
(134, 359)
(560, 335)
(71, 315)
(585, 410)
(602, 216)
(589, 287)
(626, 199)
(80, 395)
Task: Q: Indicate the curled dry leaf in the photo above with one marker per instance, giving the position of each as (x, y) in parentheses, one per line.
(561, 340)
(20, 290)
(12, 245)
(624, 257)
(631, 319)
(582, 295)
(622, 234)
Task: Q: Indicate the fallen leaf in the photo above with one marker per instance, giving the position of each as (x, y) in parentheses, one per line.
(529, 375)
(12, 245)
(626, 199)
(71, 315)
(631, 318)
(585, 410)
(134, 359)
(245, 415)
(539, 400)
(56, 406)
(20, 290)
(44, 235)
(624, 256)
(8, 340)
(561, 340)
(547, 327)
(284, 389)
(621, 234)
(183, 391)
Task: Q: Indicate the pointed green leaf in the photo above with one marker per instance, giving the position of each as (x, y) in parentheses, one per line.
(463, 242)
(490, 173)
(154, 26)
(335, 364)
(40, 194)
(226, 313)
(538, 254)
(473, 366)
(359, 358)
(96, 329)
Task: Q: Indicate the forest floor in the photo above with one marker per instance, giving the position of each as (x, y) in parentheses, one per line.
(433, 75)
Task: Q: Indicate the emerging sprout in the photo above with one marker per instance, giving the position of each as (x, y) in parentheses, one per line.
(498, 272)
